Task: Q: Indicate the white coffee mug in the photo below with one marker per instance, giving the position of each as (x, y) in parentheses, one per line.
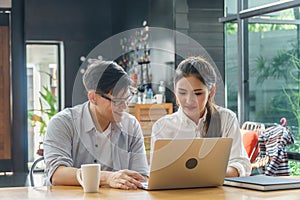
(89, 177)
(159, 98)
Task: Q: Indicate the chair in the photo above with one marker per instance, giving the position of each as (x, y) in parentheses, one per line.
(33, 168)
(293, 156)
(250, 133)
(255, 126)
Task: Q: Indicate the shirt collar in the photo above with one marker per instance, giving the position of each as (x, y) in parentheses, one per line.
(87, 119)
(89, 123)
(203, 119)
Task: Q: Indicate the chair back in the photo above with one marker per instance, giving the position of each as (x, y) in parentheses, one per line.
(33, 169)
(250, 133)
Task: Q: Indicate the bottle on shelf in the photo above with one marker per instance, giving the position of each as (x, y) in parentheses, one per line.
(145, 95)
(162, 90)
(149, 96)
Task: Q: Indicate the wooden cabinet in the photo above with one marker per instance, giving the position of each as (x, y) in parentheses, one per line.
(5, 121)
(147, 114)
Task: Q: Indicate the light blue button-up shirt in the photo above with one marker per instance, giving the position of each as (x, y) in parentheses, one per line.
(72, 139)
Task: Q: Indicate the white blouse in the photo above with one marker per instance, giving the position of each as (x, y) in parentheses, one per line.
(178, 125)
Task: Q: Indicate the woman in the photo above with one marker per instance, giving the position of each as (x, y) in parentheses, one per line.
(198, 117)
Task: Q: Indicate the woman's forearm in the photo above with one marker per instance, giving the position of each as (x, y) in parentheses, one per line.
(232, 172)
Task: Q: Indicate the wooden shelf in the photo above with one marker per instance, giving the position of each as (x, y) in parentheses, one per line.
(147, 114)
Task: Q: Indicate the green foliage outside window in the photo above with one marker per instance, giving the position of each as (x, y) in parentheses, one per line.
(290, 14)
(284, 66)
(48, 108)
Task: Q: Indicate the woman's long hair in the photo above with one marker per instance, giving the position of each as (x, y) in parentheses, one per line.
(204, 72)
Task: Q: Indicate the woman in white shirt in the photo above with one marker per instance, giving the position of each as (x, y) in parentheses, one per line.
(198, 116)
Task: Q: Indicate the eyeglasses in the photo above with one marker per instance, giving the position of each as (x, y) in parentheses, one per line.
(117, 101)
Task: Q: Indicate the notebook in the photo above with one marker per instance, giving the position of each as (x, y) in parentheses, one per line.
(263, 183)
(188, 163)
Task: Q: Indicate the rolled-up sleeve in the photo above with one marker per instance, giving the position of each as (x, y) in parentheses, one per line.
(58, 144)
(238, 156)
(138, 159)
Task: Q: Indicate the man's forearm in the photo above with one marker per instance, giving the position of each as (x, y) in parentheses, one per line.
(64, 176)
(67, 176)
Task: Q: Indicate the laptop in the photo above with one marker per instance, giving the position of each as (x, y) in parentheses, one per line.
(188, 163)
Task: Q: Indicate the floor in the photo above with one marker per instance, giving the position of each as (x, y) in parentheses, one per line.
(14, 180)
(21, 179)
(10, 179)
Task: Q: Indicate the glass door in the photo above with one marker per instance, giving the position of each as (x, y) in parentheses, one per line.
(44, 87)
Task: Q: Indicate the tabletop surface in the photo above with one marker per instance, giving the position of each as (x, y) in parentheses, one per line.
(76, 192)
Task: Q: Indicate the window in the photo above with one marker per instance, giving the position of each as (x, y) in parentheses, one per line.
(44, 69)
(262, 63)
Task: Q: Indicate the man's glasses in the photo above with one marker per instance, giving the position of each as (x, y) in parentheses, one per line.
(117, 101)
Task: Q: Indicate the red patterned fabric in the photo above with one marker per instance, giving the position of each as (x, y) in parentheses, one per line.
(250, 141)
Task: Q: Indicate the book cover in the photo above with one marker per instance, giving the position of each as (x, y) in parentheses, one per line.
(263, 183)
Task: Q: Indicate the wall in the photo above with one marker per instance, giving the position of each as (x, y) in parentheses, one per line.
(81, 26)
(199, 20)
(19, 91)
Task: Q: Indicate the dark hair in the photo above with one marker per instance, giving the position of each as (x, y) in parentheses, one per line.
(203, 71)
(105, 77)
(199, 68)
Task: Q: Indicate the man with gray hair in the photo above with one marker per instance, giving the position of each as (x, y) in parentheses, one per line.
(98, 131)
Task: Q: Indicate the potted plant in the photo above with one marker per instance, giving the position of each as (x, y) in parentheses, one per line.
(48, 108)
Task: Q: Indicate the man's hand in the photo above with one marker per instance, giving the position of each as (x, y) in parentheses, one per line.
(125, 179)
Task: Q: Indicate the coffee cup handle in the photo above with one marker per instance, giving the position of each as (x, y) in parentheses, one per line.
(78, 172)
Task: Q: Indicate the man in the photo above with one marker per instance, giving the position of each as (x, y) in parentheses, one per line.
(98, 131)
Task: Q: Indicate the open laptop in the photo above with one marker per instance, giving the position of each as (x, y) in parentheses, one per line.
(188, 163)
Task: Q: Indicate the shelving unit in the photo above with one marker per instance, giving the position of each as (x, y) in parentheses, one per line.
(147, 114)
